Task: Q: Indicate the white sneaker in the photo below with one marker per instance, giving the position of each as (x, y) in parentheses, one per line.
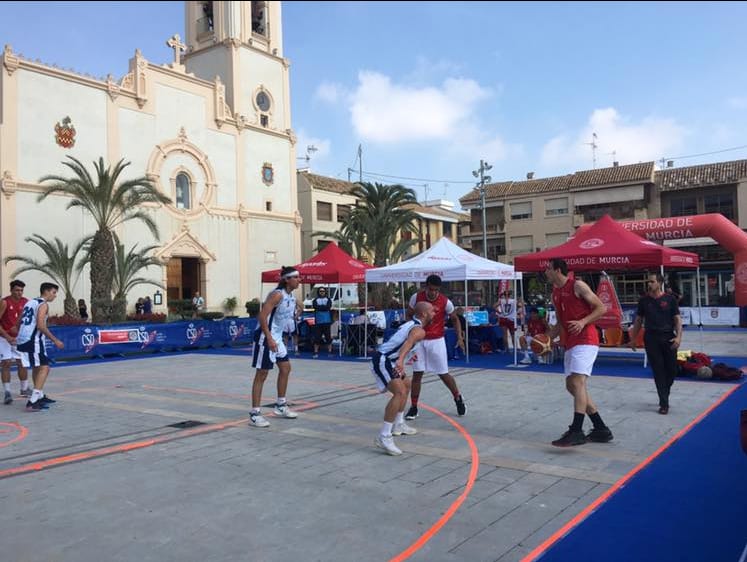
(386, 442)
(285, 412)
(403, 429)
(526, 361)
(258, 420)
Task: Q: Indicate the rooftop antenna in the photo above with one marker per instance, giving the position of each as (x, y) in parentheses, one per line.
(446, 186)
(593, 144)
(310, 149)
(425, 191)
(614, 157)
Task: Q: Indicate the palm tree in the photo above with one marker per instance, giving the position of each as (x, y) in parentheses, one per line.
(127, 266)
(378, 219)
(60, 265)
(110, 204)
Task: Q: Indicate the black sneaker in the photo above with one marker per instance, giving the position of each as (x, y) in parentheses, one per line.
(36, 406)
(46, 400)
(8, 398)
(461, 408)
(412, 413)
(570, 439)
(600, 435)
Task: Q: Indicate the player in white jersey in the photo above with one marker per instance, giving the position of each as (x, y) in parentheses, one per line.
(269, 348)
(388, 366)
(32, 334)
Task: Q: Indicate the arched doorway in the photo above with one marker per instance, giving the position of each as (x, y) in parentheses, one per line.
(186, 260)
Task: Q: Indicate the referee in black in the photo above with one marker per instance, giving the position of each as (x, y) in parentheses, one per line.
(659, 314)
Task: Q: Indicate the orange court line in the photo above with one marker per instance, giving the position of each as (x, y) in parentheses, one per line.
(449, 513)
(87, 455)
(570, 525)
(22, 433)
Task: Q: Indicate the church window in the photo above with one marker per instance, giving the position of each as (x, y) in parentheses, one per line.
(183, 191)
(205, 23)
(264, 120)
(259, 18)
(268, 206)
(263, 101)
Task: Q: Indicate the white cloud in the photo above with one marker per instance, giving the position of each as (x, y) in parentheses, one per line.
(304, 141)
(329, 92)
(650, 139)
(389, 113)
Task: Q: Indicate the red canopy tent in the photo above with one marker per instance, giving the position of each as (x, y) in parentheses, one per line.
(607, 245)
(331, 265)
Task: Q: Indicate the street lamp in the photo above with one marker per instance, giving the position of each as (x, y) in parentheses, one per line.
(480, 173)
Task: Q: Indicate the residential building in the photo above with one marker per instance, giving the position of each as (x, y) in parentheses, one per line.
(323, 202)
(534, 214)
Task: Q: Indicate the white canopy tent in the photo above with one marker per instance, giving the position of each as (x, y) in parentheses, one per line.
(450, 263)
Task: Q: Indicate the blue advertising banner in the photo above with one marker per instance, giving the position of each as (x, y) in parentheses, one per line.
(95, 341)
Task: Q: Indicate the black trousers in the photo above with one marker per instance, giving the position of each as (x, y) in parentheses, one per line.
(663, 360)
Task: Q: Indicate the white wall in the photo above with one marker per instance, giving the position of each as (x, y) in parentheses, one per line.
(176, 109)
(137, 138)
(43, 101)
(258, 149)
(259, 70)
(221, 149)
(267, 236)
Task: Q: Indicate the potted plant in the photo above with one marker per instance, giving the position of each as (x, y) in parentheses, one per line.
(229, 305)
(252, 307)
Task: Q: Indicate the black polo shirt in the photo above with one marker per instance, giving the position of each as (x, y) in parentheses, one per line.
(658, 314)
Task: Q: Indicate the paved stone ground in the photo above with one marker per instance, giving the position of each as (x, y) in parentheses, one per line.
(314, 488)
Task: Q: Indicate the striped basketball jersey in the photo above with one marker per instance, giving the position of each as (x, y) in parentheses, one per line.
(390, 348)
(28, 331)
(281, 315)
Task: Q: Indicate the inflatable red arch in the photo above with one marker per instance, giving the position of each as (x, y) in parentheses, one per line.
(715, 225)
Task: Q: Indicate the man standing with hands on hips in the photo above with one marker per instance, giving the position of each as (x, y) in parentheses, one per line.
(662, 336)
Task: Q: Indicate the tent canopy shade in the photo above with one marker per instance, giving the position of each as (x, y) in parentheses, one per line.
(605, 246)
(448, 261)
(331, 265)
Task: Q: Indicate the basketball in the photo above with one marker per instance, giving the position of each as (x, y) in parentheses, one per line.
(541, 344)
(704, 373)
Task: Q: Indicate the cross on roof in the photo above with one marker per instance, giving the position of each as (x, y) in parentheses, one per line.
(176, 43)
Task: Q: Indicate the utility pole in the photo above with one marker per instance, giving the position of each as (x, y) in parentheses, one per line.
(360, 163)
(480, 173)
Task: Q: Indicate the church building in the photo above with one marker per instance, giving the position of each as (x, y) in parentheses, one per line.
(212, 129)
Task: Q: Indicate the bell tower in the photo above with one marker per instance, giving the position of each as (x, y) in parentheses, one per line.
(242, 44)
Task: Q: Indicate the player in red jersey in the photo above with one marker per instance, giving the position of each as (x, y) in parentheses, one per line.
(10, 309)
(577, 308)
(431, 355)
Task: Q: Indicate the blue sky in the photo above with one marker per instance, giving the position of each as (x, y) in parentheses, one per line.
(430, 88)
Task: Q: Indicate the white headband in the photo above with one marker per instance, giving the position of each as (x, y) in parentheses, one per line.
(291, 275)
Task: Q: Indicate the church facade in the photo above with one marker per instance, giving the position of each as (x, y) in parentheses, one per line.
(211, 129)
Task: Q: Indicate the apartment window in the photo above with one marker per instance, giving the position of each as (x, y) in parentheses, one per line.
(555, 239)
(446, 226)
(321, 244)
(182, 191)
(343, 211)
(557, 206)
(406, 235)
(720, 203)
(323, 211)
(520, 211)
(683, 207)
(521, 245)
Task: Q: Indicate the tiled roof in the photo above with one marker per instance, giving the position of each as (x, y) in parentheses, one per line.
(518, 188)
(672, 179)
(329, 184)
(616, 175)
(439, 212)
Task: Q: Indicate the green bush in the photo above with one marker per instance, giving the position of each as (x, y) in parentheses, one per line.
(230, 304)
(181, 307)
(211, 315)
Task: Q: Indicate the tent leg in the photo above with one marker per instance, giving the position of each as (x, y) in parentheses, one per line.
(700, 310)
(339, 317)
(466, 325)
(516, 315)
(365, 324)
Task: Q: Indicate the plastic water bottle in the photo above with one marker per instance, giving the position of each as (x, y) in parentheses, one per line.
(396, 317)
